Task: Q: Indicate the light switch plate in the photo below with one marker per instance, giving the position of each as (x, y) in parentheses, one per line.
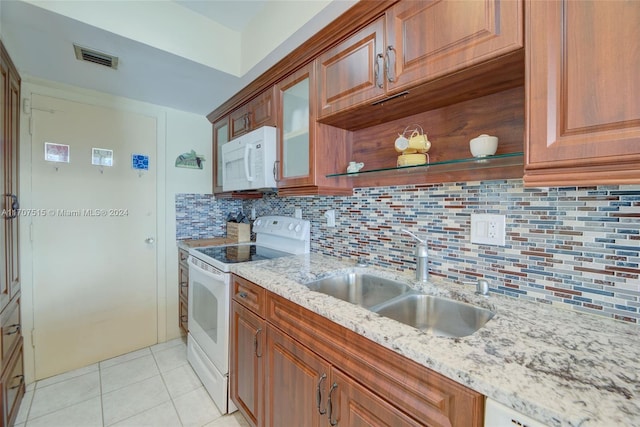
(488, 229)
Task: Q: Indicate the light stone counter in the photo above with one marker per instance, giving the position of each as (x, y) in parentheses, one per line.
(560, 367)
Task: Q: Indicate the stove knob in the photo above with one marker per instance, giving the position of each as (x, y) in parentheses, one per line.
(290, 227)
(298, 228)
(258, 222)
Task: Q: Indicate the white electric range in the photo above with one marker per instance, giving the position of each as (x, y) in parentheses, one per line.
(210, 296)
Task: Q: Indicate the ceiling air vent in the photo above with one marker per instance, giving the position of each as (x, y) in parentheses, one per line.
(100, 58)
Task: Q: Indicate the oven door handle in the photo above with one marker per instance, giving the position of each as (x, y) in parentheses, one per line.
(216, 275)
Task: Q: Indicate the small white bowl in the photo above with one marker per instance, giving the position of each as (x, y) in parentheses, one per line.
(483, 145)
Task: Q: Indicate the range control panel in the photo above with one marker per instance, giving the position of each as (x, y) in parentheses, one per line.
(284, 226)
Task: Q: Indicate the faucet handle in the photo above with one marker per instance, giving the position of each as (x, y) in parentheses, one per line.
(422, 241)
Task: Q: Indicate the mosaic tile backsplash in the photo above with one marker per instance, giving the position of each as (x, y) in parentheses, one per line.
(200, 216)
(578, 247)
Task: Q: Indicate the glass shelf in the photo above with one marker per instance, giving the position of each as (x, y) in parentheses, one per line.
(498, 161)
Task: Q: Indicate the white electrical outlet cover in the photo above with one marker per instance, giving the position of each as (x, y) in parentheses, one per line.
(487, 229)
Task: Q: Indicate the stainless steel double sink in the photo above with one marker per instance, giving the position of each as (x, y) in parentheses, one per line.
(398, 301)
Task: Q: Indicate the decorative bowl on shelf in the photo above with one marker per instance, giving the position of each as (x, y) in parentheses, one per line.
(483, 145)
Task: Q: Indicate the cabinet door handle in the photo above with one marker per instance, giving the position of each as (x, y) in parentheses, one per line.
(376, 68)
(184, 318)
(319, 394)
(389, 64)
(330, 405)
(15, 331)
(20, 383)
(15, 206)
(255, 342)
(247, 121)
(275, 170)
(184, 284)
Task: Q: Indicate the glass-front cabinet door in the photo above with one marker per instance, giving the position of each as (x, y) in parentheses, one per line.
(220, 137)
(296, 127)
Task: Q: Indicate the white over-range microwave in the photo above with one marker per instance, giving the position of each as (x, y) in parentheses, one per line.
(248, 161)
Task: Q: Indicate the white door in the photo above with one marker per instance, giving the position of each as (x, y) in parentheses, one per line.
(93, 236)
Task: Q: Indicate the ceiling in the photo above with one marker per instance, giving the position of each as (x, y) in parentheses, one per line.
(191, 55)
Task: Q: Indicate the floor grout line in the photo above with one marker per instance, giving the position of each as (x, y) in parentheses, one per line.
(101, 370)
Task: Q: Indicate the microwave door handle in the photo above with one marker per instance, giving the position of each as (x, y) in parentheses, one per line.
(247, 172)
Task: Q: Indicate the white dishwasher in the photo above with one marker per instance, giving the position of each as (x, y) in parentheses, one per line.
(498, 415)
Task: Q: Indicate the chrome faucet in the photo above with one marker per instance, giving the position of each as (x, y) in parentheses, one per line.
(422, 257)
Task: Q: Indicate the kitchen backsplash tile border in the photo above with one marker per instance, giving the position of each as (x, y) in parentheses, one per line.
(575, 247)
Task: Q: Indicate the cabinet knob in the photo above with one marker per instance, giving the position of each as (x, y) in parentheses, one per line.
(149, 240)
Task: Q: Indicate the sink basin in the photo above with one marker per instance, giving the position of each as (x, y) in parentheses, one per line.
(441, 316)
(362, 289)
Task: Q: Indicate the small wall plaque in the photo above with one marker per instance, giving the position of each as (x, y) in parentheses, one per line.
(101, 157)
(140, 162)
(190, 160)
(56, 152)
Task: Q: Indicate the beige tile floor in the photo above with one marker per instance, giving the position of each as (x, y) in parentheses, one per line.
(153, 387)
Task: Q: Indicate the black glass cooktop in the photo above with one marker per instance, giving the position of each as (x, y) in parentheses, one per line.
(241, 253)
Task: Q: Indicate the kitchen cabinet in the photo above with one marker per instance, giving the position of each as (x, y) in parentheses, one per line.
(294, 374)
(220, 137)
(415, 42)
(260, 111)
(12, 385)
(307, 150)
(583, 80)
(9, 251)
(246, 367)
(322, 394)
(183, 290)
(333, 375)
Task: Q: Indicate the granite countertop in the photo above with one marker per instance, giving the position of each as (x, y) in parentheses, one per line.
(560, 367)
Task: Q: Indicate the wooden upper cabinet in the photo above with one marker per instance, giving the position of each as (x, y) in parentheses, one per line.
(263, 110)
(238, 122)
(353, 71)
(583, 81)
(220, 137)
(260, 111)
(307, 150)
(428, 39)
(415, 42)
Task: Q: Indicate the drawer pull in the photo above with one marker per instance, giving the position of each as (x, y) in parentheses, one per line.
(184, 284)
(184, 318)
(20, 383)
(15, 331)
(243, 295)
(319, 395)
(330, 405)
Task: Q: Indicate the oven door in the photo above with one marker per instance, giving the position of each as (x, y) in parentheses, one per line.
(209, 312)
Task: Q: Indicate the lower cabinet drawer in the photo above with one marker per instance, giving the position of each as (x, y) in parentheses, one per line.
(10, 321)
(13, 386)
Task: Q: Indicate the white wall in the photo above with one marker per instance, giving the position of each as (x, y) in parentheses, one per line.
(185, 132)
(177, 132)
